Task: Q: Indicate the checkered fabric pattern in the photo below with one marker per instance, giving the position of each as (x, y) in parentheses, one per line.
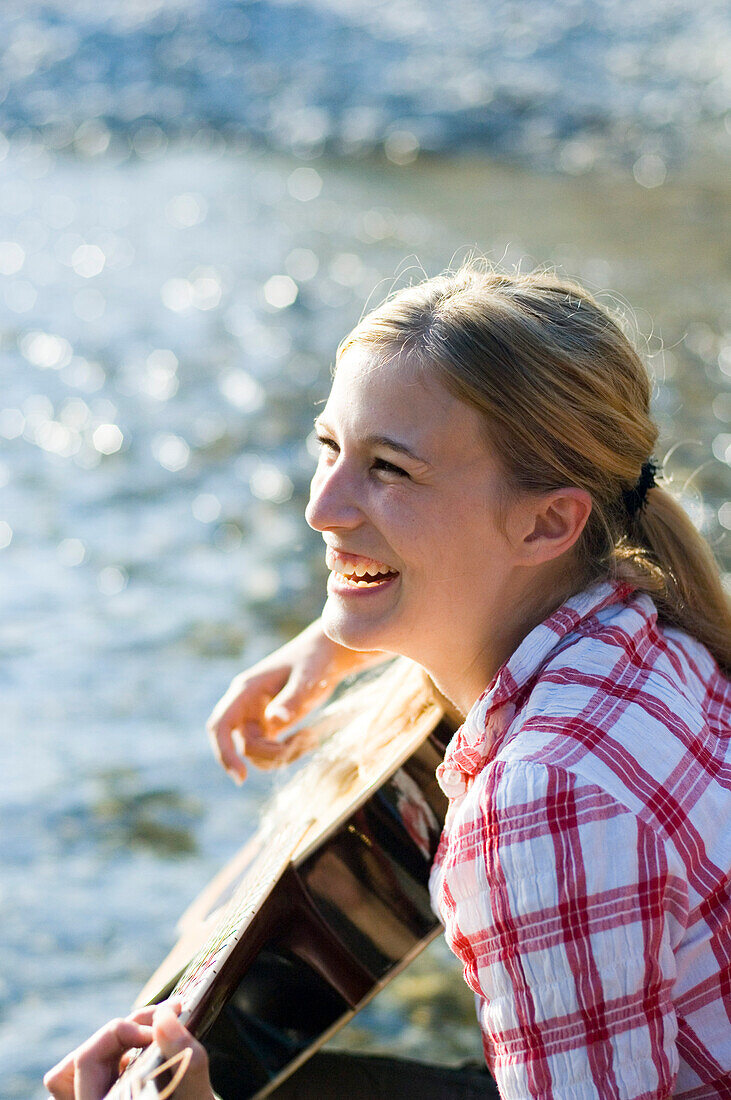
(583, 873)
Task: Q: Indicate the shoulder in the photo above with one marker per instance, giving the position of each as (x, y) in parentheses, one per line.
(628, 715)
(627, 641)
(605, 694)
(623, 689)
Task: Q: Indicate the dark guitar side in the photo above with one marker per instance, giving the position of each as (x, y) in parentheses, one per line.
(335, 930)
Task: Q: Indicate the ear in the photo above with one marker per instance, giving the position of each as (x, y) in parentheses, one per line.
(552, 523)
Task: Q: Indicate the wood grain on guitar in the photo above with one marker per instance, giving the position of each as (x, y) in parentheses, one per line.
(326, 903)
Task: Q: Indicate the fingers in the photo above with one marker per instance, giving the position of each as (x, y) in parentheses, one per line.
(97, 1060)
(88, 1072)
(173, 1040)
(267, 754)
(244, 702)
(60, 1079)
(249, 725)
(224, 749)
(259, 749)
(269, 699)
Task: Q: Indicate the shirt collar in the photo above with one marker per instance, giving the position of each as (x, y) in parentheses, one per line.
(493, 712)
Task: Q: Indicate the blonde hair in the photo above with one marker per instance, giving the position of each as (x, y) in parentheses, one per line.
(566, 398)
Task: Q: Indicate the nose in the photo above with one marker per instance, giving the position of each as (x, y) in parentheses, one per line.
(333, 499)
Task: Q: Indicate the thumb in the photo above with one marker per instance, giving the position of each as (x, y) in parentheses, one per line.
(174, 1040)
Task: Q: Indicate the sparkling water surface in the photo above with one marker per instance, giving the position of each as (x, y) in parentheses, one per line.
(171, 298)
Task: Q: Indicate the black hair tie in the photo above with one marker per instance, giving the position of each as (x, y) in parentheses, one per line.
(635, 498)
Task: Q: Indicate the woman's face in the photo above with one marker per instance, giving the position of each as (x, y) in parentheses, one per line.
(406, 496)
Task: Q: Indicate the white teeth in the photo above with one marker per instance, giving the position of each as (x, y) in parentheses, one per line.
(359, 571)
(363, 569)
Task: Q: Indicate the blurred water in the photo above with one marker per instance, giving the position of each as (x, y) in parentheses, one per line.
(620, 81)
(170, 302)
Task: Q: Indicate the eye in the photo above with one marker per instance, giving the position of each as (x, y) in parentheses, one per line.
(330, 449)
(388, 467)
(327, 444)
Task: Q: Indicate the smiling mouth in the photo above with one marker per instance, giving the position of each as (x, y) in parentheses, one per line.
(359, 572)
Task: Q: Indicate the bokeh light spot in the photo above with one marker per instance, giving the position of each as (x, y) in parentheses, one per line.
(268, 482)
(71, 552)
(92, 138)
(228, 537)
(107, 439)
(111, 581)
(722, 447)
(722, 406)
(724, 359)
(401, 147)
(304, 184)
(88, 260)
(172, 452)
(160, 380)
(46, 350)
(347, 269)
(186, 210)
(12, 257)
(75, 414)
(302, 264)
(242, 391)
(650, 170)
(262, 582)
(177, 295)
(149, 141)
(84, 374)
(206, 290)
(206, 507)
(280, 291)
(57, 439)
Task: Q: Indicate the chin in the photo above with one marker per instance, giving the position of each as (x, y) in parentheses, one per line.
(347, 631)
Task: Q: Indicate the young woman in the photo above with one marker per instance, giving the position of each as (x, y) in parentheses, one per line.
(490, 510)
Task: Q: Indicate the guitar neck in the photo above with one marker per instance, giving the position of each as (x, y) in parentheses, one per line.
(197, 984)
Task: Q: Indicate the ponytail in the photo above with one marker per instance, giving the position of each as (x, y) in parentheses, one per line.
(665, 556)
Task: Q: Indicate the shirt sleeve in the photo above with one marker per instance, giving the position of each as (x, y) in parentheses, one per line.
(561, 896)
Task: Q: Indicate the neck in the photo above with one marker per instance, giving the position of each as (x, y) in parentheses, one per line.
(529, 603)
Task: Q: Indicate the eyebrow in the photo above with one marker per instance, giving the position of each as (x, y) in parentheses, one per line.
(383, 441)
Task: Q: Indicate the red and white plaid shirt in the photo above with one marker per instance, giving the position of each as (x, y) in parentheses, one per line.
(583, 873)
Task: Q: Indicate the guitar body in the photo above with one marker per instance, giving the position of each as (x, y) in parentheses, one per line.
(304, 927)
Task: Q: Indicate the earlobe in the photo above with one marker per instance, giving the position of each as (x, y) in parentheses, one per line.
(556, 522)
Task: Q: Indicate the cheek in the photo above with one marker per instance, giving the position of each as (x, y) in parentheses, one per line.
(401, 524)
(422, 540)
(462, 552)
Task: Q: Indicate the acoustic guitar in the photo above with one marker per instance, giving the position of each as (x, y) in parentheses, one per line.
(317, 913)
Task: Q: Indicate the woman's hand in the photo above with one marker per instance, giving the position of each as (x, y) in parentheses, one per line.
(90, 1071)
(276, 693)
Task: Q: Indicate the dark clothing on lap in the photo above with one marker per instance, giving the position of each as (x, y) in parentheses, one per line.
(339, 1075)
